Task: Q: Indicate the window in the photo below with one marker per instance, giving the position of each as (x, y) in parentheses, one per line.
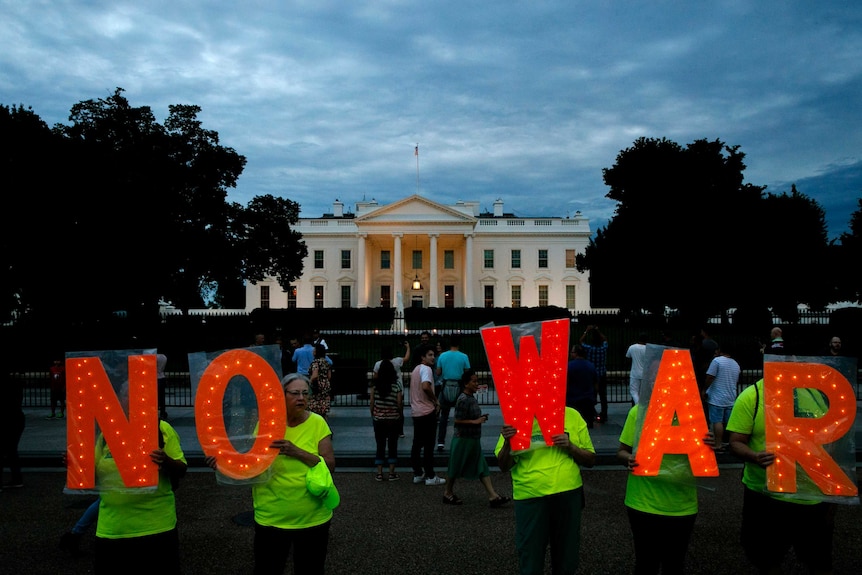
(264, 297)
(385, 260)
(516, 296)
(570, 297)
(489, 259)
(291, 297)
(318, 259)
(489, 296)
(543, 295)
(345, 259)
(448, 296)
(543, 258)
(516, 259)
(345, 296)
(570, 258)
(417, 259)
(318, 297)
(449, 259)
(385, 296)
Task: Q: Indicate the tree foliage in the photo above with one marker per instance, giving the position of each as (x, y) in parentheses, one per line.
(689, 234)
(138, 212)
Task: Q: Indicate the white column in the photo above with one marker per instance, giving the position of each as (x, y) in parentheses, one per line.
(397, 280)
(361, 275)
(433, 300)
(468, 272)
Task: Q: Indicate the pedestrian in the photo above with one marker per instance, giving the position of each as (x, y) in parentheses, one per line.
(722, 379)
(466, 459)
(596, 346)
(288, 516)
(635, 354)
(12, 423)
(581, 381)
(424, 406)
(451, 366)
(320, 372)
(773, 523)
(549, 494)
(398, 364)
(834, 349)
(304, 355)
(57, 374)
(776, 345)
(387, 411)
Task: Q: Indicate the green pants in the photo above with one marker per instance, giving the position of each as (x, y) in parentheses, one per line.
(552, 520)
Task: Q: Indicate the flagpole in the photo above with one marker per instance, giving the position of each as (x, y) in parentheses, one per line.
(416, 153)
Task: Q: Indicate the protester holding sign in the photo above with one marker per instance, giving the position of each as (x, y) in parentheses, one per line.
(293, 508)
(549, 494)
(142, 523)
(662, 508)
(772, 523)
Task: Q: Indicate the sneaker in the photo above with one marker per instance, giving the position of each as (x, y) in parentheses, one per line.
(379, 477)
(417, 479)
(61, 416)
(394, 477)
(441, 447)
(52, 416)
(434, 481)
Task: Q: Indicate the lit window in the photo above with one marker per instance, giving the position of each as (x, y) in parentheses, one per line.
(516, 296)
(489, 296)
(570, 258)
(318, 297)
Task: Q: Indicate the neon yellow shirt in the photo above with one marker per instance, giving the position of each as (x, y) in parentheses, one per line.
(125, 513)
(284, 500)
(544, 469)
(672, 492)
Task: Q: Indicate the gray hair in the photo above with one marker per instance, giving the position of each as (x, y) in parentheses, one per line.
(291, 377)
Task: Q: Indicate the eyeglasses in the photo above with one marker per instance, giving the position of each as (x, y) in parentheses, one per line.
(296, 393)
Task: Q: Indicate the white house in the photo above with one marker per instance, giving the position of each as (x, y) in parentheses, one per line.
(417, 252)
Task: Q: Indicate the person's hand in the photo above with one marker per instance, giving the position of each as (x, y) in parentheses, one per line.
(508, 432)
(561, 440)
(285, 447)
(709, 439)
(764, 458)
(158, 456)
(632, 463)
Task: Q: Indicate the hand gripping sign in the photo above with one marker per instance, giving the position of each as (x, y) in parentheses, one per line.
(809, 408)
(531, 385)
(674, 420)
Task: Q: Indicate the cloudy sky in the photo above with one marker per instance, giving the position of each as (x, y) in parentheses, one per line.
(524, 101)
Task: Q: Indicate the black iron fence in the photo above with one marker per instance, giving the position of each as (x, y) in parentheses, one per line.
(37, 392)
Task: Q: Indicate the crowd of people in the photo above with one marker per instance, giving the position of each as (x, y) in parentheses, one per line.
(294, 506)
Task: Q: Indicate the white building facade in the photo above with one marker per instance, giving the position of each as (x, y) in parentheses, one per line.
(417, 252)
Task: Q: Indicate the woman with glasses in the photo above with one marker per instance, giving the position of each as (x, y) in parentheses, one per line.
(286, 513)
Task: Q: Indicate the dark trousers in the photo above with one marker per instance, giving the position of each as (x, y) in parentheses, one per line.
(661, 542)
(602, 393)
(386, 433)
(272, 547)
(443, 422)
(12, 430)
(109, 555)
(422, 452)
(551, 521)
(162, 383)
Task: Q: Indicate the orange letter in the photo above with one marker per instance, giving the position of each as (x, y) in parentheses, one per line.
(91, 398)
(675, 393)
(209, 417)
(800, 439)
(530, 385)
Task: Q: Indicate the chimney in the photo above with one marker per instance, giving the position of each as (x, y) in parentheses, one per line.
(498, 208)
(338, 209)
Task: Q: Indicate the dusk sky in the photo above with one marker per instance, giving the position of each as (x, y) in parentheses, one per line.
(523, 101)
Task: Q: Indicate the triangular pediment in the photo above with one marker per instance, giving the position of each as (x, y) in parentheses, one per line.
(415, 209)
